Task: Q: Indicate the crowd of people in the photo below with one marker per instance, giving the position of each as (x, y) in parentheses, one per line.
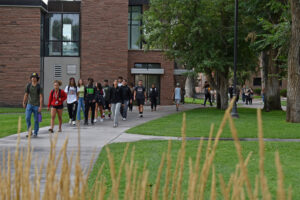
(111, 101)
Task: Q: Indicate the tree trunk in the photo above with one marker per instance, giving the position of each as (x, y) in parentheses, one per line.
(293, 88)
(223, 90)
(189, 91)
(220, 84)
(271, 81)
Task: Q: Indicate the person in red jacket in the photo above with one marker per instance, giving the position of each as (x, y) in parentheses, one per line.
(56, 100)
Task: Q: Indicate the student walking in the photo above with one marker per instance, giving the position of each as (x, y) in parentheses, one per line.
(80, 96)
(177, 96)
(153, 94)
(132, 94)
(207, 93)
(56, 100)
(126, 98)
(72, 103)
(115, 101)
(140, 97)
(100, 102)
(90, 101)
(249, 96)
(106, 89)
(33, 101)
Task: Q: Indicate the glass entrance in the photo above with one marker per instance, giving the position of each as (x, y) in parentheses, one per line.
(148, 80)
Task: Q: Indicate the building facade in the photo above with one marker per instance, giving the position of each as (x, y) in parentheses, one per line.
(81, 39)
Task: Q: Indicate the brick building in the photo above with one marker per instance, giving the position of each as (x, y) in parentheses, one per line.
(81, 39)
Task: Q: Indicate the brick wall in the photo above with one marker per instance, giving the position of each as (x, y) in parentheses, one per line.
(19, 51)
(166, 80)
(104, 39)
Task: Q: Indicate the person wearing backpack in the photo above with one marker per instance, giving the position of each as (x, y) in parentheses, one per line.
(71, 90)
(207, 93)
(90, 101)
(56, 100)
(33, 101)
(126, 98)
(100, 102)
(106, 89)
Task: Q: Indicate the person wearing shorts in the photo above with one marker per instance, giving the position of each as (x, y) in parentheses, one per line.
(140, 97)
(56, 100)
(177, 96)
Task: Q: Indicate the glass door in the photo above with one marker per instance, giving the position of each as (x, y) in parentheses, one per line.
(148, 80)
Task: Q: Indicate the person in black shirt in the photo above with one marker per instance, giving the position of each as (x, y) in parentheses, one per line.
(126, 97)
(207, 93)
(132, 94)
(106, 89)
(115, 101)
(140, 97)
(153, 94)
(90, 100)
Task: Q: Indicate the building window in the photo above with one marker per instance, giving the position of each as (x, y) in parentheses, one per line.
(63, 36)
(256, 81)
(134, 27)
(147, 65)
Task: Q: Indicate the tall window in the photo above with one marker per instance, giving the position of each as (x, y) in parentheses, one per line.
(63, 37)
(134, 27)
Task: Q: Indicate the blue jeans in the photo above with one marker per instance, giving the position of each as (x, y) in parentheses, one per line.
(80, 106)
(29, 110)
(125, 108)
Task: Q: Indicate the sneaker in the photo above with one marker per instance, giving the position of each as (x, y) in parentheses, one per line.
(85, 123)
(101, 120)
(30, 135)
(70, 121)
(50, 130)
(141, 116)
(35, 135)
(115, 125)
(124, 119)
(95, 120)
(74, 123)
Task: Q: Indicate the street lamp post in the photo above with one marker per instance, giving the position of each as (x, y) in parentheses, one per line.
(234, 112)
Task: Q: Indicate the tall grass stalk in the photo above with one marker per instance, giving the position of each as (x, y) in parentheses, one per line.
(17, 183)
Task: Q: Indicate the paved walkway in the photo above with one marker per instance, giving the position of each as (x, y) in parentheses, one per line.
(92, 138)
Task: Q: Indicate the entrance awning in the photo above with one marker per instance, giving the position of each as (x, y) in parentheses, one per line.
(147, 71)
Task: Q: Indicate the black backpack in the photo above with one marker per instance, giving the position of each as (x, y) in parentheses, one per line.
(74, 87)
(38, 88)
(59, 93)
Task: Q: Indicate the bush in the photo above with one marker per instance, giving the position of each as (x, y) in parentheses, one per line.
(257, 91)
(283, 92)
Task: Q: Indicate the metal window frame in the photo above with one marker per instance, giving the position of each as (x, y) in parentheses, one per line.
(61, 33)
(131, 25)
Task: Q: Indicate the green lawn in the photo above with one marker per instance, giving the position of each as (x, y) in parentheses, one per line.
(200, 120)
(225, 162)
(195, 101)
(15, 110)
(9, 122)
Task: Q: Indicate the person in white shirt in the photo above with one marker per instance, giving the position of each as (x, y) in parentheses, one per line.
(71, 90)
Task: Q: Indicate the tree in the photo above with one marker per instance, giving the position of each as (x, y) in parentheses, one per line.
(199, 34)
(293, 92)
(270, 37)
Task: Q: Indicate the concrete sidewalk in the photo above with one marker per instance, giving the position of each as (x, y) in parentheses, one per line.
(92, 138)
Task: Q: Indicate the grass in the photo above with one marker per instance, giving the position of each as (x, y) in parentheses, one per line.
(15, 110)
(199, 121)
(224, 162)
(195, 101)
(189, 172)
(8, 122)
